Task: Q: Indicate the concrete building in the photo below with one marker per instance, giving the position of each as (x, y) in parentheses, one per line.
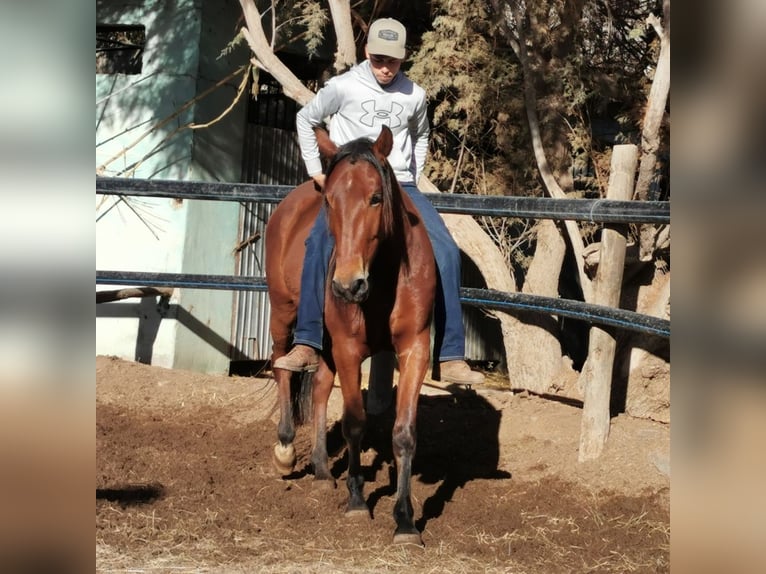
(163, 67)
(142, 118)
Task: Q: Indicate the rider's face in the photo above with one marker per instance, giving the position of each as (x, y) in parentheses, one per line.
(384, 68)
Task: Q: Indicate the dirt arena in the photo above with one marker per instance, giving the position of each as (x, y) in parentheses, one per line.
(184, 483)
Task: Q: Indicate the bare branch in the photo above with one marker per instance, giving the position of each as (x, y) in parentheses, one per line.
(256, 39)
(240, 91)
(546, 173)
(650, 134)
(102, 168)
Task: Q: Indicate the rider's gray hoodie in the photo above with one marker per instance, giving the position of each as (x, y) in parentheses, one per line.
(358, 107)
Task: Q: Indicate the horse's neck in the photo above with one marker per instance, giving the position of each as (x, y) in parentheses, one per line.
(391, 255)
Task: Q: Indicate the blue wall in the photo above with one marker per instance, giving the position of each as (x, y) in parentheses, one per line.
(184, 40)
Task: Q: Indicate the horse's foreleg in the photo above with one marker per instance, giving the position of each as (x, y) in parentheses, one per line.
(404, 451)
(284, 452)
(353, 430)
(413, 366)
(323, 380)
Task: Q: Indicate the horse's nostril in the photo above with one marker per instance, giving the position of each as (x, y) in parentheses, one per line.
(359, 287)
(337, 289)
(355, 292)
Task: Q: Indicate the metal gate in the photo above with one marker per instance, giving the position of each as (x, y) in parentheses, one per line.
(271, 156)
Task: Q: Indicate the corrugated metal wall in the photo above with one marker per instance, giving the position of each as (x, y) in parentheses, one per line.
(271, 156)
(483, 337)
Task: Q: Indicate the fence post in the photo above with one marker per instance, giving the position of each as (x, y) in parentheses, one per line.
(597, 372)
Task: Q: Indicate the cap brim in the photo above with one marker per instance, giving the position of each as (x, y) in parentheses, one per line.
(386, 49)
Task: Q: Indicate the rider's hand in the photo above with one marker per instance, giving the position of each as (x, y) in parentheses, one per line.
(319, 181)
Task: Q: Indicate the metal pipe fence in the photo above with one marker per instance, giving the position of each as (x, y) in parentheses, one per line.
(593, 210)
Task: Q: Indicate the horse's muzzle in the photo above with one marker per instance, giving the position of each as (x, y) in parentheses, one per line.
(356, 291)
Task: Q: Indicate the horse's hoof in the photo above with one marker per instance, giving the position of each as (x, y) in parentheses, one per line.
(284, 458)
(358, 513)
(408, 538)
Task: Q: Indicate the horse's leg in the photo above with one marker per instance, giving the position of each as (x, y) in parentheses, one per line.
(323, 380)
(284, 452)
(413, 363)
(353, 430)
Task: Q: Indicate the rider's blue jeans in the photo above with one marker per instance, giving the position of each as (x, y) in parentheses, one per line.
(449, 335)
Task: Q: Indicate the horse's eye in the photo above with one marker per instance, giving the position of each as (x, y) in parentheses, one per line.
(376, 199)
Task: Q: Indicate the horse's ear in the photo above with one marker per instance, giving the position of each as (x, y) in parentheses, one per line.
(384, 143)
(327, 148)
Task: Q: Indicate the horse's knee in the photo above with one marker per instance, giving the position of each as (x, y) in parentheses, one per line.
(403, 438)
(353, 428)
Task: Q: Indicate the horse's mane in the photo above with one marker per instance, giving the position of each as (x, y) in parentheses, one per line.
(393, 207)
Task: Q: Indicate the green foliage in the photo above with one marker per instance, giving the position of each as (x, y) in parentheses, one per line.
(234, 43)
(313, 18)
(303, 21)
(588, 60)
(473, 90)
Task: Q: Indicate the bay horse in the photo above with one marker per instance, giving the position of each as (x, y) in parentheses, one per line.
(379, 297)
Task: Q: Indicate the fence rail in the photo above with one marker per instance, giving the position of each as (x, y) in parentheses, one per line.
(593, 210)
(601, 210)
(484, 298)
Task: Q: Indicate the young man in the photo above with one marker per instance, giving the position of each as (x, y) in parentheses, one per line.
(359, 102)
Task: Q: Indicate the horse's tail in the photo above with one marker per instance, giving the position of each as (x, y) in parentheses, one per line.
(301, 385)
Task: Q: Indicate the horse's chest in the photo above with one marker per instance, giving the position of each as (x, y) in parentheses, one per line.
(368, 321)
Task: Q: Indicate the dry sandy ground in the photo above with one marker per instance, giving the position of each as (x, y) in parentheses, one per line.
(185, 484)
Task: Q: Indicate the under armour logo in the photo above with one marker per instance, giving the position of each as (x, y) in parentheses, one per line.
(373, 114)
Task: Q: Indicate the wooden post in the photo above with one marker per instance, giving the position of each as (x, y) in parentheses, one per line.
(597, 372)
(119, 294)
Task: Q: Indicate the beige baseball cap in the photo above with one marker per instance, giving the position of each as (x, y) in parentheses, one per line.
(387, 37)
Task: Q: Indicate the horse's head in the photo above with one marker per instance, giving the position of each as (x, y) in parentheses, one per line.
(359, 200)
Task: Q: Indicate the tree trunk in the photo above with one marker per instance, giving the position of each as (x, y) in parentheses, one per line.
(345, 57)
(650, 135)
(265, 57)
(646, 369)
(534, 352)
(549, 181)
(479, 247)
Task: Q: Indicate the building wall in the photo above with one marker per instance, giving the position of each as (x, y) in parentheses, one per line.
(213, 226)
(183, 41)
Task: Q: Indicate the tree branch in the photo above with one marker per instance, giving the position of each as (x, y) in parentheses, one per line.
(345, 57)
(546, 173)
(256, 39)
(650, 134)
(102, 168)
(240, 91)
